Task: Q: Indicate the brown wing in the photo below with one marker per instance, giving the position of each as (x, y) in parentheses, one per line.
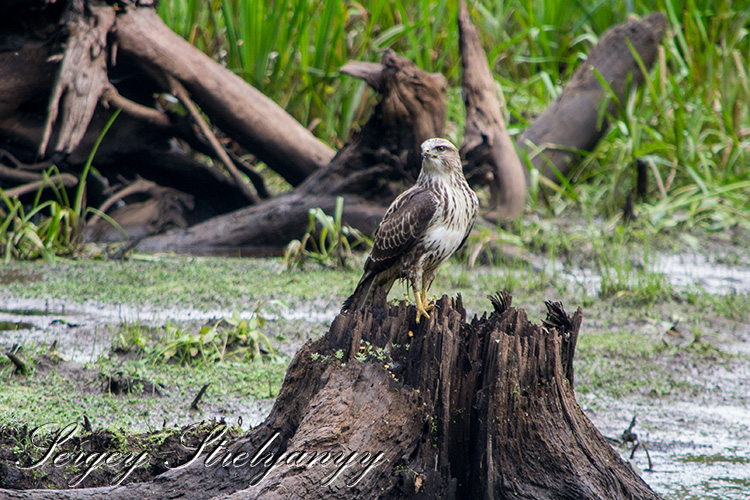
(403, 223)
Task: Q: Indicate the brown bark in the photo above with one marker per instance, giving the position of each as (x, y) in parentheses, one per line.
(255, 121)
(368, 172)
(483, 409)
(572, 121)
(487, 146)
(82, 77)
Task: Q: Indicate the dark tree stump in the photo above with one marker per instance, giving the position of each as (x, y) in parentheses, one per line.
(572, 121)
(484, 409)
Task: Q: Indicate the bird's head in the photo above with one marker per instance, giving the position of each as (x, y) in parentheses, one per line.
(440, 156)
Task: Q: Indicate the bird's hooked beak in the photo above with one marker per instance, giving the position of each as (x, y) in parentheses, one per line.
(426, 153)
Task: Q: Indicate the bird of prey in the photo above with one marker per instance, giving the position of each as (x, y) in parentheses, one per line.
(424, 226)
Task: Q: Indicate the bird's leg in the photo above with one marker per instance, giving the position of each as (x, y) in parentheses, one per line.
(428, 304)
(421, 310)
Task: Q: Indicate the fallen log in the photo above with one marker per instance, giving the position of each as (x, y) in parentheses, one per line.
(441, 409)
(572, 122)
(256, 122)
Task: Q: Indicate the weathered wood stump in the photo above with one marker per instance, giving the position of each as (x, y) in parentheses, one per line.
(573, 122)
(442, 409)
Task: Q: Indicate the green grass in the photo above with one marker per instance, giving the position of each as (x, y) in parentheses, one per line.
(619, 364)
(52, 228)
(233, 382)
(734, 306)
(204, 283)
(713, 459)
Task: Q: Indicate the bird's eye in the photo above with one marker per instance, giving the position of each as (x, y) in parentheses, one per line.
(440, 149)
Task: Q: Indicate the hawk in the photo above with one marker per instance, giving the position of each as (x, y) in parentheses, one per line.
(424, 226)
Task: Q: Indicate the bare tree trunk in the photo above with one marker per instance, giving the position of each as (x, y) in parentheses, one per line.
(573, 121)
(440, 409)
(487, 146)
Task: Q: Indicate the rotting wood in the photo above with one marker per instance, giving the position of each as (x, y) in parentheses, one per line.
(572, 121)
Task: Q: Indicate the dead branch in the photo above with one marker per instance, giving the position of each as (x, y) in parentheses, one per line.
(82, 77)
(180, 92)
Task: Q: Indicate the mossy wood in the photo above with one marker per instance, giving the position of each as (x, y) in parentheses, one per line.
(479, 409)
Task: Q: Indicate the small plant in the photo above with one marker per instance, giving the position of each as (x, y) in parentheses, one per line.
(19, 235)
(53, 227)
(367, 351)
(132, 336)
(327, 240)
(215, 341)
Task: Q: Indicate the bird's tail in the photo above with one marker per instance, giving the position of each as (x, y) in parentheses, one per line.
(362, 295)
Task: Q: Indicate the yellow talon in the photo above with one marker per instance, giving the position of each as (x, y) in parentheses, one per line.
(422, 309)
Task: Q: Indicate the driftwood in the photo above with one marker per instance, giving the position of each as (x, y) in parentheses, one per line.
(441, 409)
(368, 172)
(572, 122)
(487, 146)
